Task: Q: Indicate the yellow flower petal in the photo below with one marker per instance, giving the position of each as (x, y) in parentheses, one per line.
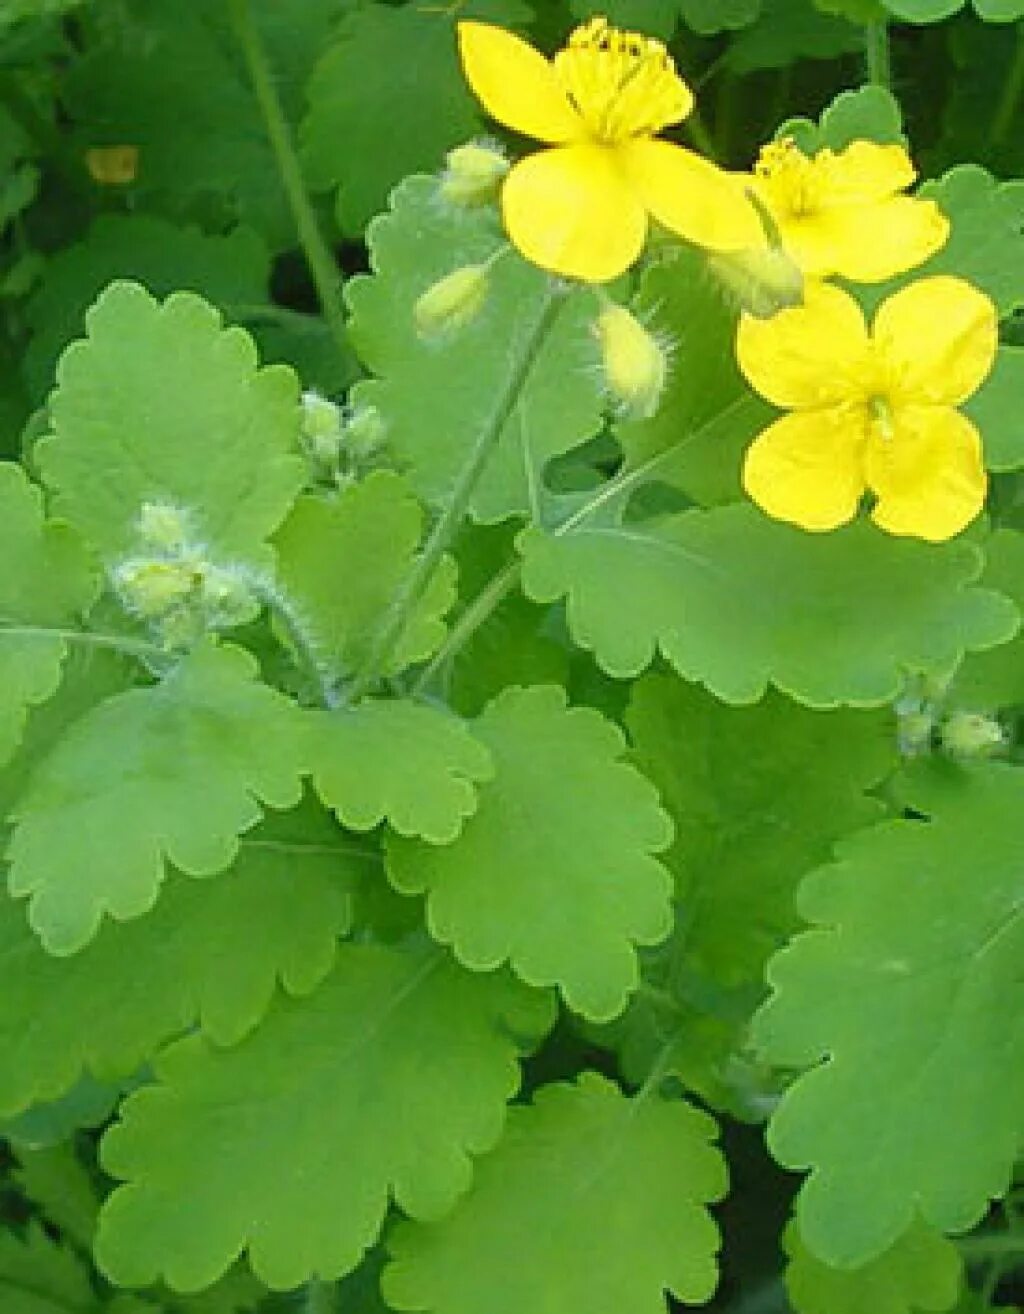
(809, 356)
(516, 85)
(938, 337)
(691, 196)
(806, 468)
(867, 243)
(570, 210)
(863, 171)
(928, 478)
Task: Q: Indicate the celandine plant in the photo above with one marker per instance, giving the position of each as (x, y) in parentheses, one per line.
(490, 761)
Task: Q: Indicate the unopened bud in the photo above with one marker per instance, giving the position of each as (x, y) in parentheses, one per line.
(473, 173)
(452, 301)
(763, 280)
(634, 362)
(226, 597)
(152, 588)
(321, 428)
(971, 735)
(163, 526)
(363, 432)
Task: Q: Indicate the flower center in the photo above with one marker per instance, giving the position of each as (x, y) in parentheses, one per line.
(880, 412)
(788, 178)
(622, 84)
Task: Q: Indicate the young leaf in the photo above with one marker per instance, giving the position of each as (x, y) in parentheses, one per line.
(900, 1008)
(555, 872)
(290, 1144)
(46, 580)
(591, 1201)
(757, 795)
(411, 764)
(921, 1270)
(173, 772)
(419, 241)
(827, 618)
(160, 403)
(40, 1276)
(289, 889)
(343, 559)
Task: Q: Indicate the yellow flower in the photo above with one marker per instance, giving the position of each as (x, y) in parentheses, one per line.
(871, 411)
(845, 213)
(581, 208)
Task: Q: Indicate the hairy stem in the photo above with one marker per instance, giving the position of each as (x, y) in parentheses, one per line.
(448, 522)
(876, 53)
(88, 639)
(323, 270)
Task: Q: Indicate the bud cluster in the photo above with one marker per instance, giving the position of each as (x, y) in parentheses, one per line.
(924, 726)
(340, 442)
(171, 584)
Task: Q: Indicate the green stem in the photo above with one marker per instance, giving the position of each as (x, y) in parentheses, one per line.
(319, 1297)
(90, 639)
(303, 642)
(698, 132)
(1013, 86)
(271, 314)
(325, 274)
(984, 1245)
(876, 52)
(451, 517)
(490, 597)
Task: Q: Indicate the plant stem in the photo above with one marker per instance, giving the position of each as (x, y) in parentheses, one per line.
(698, 132)
(876, 51)
(303, 642)
(319, 1298)
(974, 1248)
(325, 274)
(490, 597)
(88, 638)
(1002, 121)
(451, 517)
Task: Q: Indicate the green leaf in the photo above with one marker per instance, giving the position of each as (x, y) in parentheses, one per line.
(995, 409)
(870, 113)
(343, 560)
(417, 242)
(228, 270)
(555, 872)
(757, 795)
(45, 582)
(222, 451)
(986, 245)
(920, 1271)
(991, 680)
(383, 1083)
(427, 788)
(923, 11)
(657, 18)
(829, 619)
(591, 1201)
(789, 30)
(88, 1104)
(59, 1185)
(707, 17)
(289, 888)
(708, 414)
(907, 985)
(176, 771)
(40, 1276)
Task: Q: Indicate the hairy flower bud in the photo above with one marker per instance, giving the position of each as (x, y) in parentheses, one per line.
(634, 362)
(321, 428)
(452, 301)
(226, 596)
(153, 588)
(762, 281)
(163, 526)
(473, 173)
(363, 432)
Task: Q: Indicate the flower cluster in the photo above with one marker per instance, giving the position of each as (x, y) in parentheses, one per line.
(872, 410)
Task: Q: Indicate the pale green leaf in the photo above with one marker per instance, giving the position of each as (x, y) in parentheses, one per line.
(383, 1083)
(410, 764)
(46, 581)
(343, 560)
(900, 1010)
(921, 1271)
(555, 872)
(176, 772)
(418, 242)
(289, 889)
(160, 403)
(757, 795)
(40, 1276)
(737, 601)
(592, 1201)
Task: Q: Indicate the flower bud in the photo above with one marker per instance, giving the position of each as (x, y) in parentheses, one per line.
(452, 301)
(473, 173)
(763, 280)
(634, 362)
(153, 588)
(163, 526)
(971, 735)
(321, 428)
(363, 432)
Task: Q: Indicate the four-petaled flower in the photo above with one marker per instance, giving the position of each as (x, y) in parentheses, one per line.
(871, 411)
(581, 208)
(844, 213)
